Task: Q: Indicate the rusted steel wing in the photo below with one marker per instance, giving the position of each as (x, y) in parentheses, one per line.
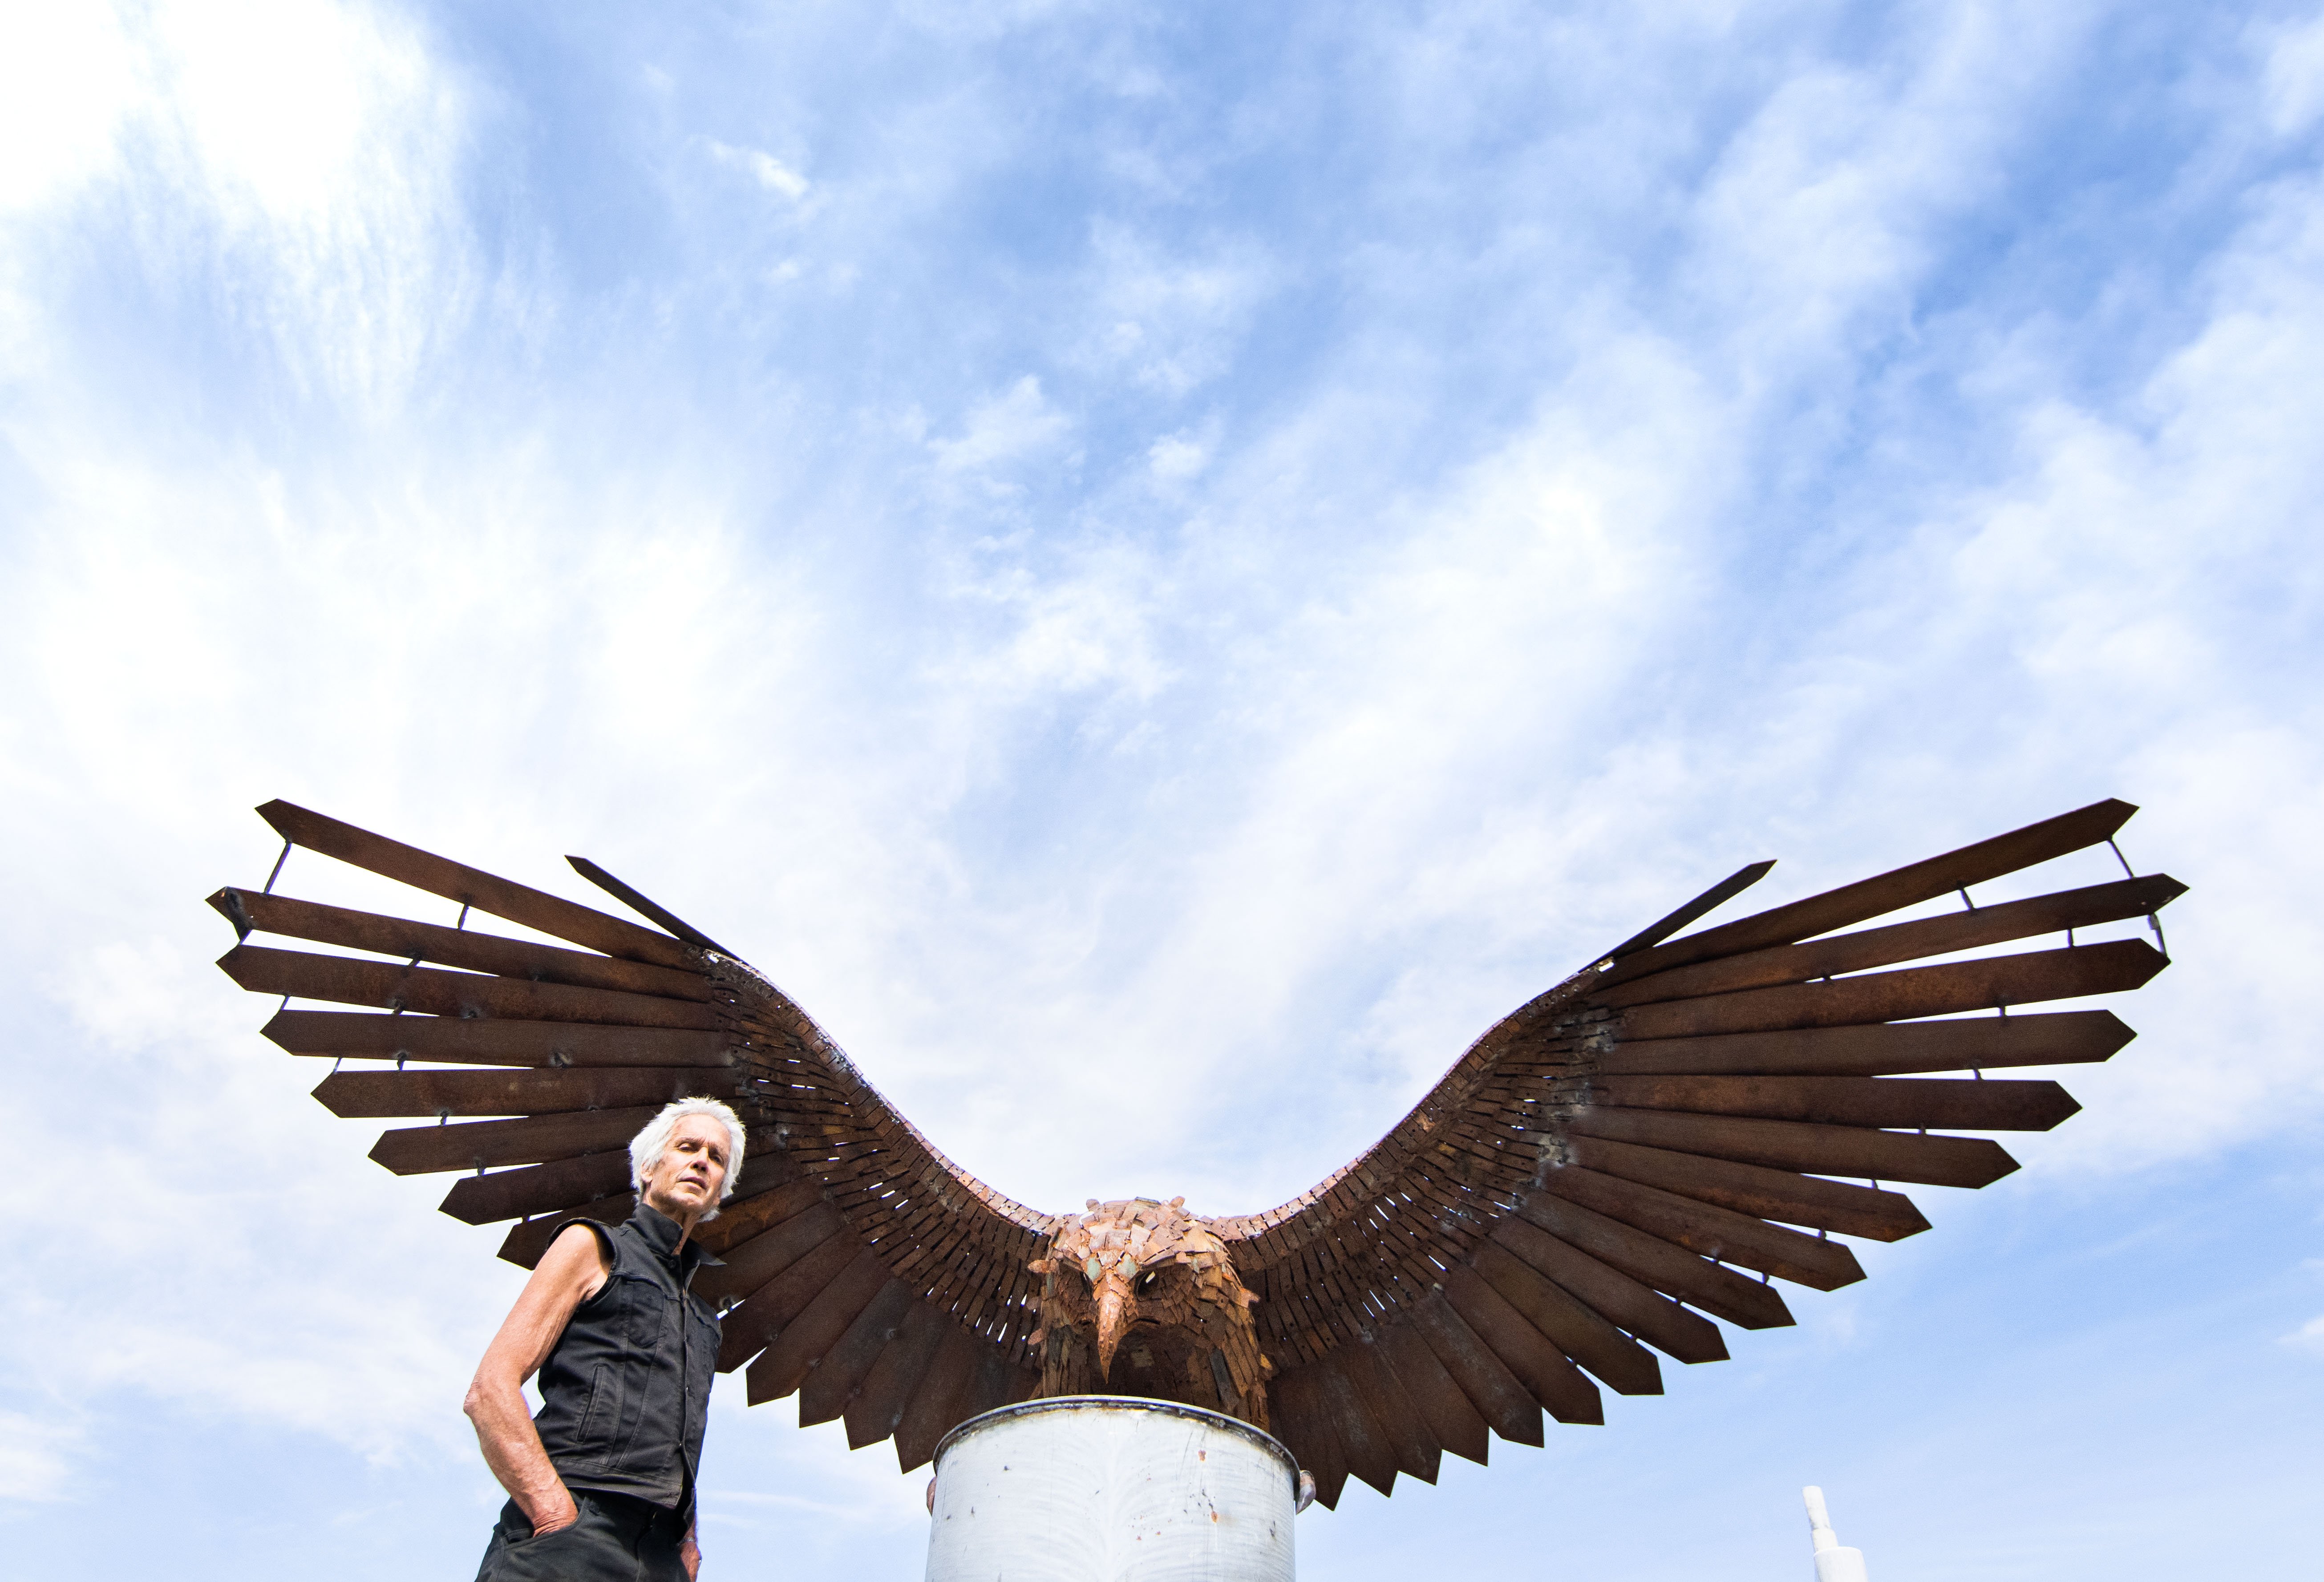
(1590, 1179)
(1600, 1168)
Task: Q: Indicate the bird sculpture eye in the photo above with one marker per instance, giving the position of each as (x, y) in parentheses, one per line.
(1093, 1269)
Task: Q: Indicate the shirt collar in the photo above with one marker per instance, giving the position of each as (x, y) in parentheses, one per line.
(661, 1233)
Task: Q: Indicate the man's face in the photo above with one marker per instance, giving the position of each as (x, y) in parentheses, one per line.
(691, 1171)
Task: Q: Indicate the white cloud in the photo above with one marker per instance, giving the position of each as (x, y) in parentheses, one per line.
(66, 77)
(2293, 76)
(1016, 424)
(37, 1457)
(761, 167)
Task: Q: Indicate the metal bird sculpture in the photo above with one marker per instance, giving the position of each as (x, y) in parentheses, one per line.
(1594, 1182)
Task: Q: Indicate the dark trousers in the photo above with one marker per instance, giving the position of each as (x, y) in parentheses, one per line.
(617, 1539)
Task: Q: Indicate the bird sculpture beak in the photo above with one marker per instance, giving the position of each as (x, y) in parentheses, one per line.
(1113, 1321)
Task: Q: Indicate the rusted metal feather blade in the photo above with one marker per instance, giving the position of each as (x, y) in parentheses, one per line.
(928, 1413)
(1951, 1104)
(1717, 895)
(1711, 1231)
(1302, 1421)
(748, 1330)
(1500, 1398)
(1370, 1456)
(1400, 1422)
(1451, 1419)
(993, 1383)
(1632, 1304)
(769, 1193)
(470, 996)
(878, 1409)
(1914, 991)
(485, 1144)
(1571, 1326)
(833, 1378)
(544, 1189)
(424, 870)
(452, 1041)
(1662, 1265)
(1756, 1189)
(640, 903)
(783, 1367)
(1817, 1150)
(450, 947)
(1906, 941)
(1875, 898)
(363, 1095)
(527, 1242)
(1548, 1373)
(2058, 1038)
(751, 1262)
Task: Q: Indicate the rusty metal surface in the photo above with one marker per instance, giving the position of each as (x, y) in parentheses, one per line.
(528, 1240)
(1952, 1104)
(752, 1261)
(542, 1188)
(1709, 901)
(766, 1311)
(2043, 1039)
(1709, 1231)
(1808, 1147)
(1782, 1196)
(424, 870)
(1664, 1266)
(933, 1406)
(1944, 991)
(357, 1095)
(451, 1041)
(878, 1409)
(1487, 1378)
(768, 1194)
(1370, 1456)
(1453, 1421)
(783, 1366)
(1888, 892)
(1548, 1373)
(835, 1376)
(481, 1145)
(1401, 1422)
(1303, 1423)
(1906, 942)
(449, 947)
(466, 995)
(638, 903)
(1569, 1324)
(1630, 1302)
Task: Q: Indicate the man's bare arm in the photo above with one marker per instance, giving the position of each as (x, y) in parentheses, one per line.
(571, 1272)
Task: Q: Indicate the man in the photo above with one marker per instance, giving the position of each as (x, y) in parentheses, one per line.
(601, 1485)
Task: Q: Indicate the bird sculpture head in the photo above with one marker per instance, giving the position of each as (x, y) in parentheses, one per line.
(1140, 1298)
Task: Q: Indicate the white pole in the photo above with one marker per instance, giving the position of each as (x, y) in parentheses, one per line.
(1832, 1563)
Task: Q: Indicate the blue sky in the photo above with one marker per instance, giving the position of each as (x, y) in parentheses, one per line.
(1160, 568)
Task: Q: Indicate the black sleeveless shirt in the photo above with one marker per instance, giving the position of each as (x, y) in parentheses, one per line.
(625, 1390)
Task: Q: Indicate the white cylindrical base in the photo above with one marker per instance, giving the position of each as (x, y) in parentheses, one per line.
(1102, 1488)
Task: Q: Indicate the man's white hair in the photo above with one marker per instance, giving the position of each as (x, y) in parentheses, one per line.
(650, 1145)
